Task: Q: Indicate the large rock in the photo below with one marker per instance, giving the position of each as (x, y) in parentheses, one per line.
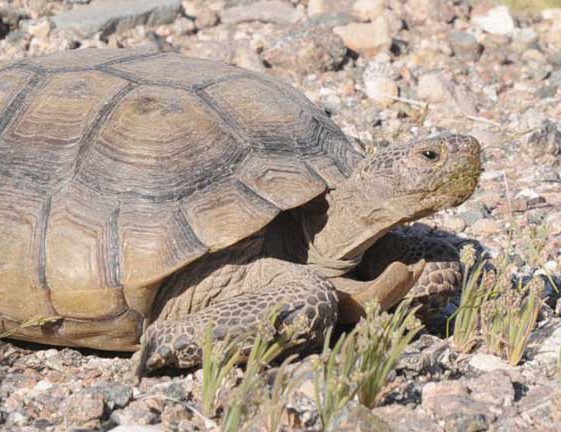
(300, 51)
(367, 39)
(405, 419)
(465, 46)
(497, 21)
(111, 16)
(273, 11)
(360, 9)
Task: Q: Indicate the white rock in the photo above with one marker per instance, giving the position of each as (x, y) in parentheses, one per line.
(381, 89)
(433, 88)
(379, 84)
(369, 9)
(496, 21)
(43, 385)
(492, 175)
(487, 362)
(551, 14)
(40, 28)
(527, 194)
(545, 344)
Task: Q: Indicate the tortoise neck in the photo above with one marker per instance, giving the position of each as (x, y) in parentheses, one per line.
(339, 232)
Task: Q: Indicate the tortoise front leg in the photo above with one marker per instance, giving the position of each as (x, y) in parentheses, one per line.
(294, 292)
(442, 272)
(437, 284)
(388, 289)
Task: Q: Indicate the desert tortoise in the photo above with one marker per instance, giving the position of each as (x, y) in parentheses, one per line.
(150, 193)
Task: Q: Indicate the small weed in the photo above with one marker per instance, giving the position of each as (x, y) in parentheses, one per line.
(474, 294)
(219, 360)
(361, 361)
(36, 322)
(500, 316)
(508, 319)
(252, 391)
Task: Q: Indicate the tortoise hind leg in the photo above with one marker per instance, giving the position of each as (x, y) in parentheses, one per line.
(294, 291)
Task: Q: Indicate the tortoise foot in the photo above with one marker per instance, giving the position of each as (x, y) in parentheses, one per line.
(295, 304)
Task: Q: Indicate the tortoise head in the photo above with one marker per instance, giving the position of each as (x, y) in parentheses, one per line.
(420, 178)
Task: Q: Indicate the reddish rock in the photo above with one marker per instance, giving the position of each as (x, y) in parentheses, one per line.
(367, 39)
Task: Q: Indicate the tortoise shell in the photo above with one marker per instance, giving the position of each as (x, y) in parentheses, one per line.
(119, 167)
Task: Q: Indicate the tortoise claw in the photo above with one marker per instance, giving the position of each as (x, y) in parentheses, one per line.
(151, 357)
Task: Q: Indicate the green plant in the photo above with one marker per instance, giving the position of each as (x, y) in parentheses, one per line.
(380, 341)
(474, 294)
(499, 315)
(360, 362)
(252, 391)
(36, 322)
(219, 360)
(508, 320)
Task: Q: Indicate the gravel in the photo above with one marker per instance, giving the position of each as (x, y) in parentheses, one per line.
(386, 72)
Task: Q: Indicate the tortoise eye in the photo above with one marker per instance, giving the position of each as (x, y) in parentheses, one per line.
(430, 155)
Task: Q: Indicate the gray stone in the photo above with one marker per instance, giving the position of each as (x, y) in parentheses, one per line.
(487, 362)
(300, 51)
(273, 11)
(134, 428)
(114, 395)
(405, 419)
(107, 17)
(450, 401)
(555, 77)
(465, 46)
(546, 140)
(545, 345)
(494, 388)
(358, 418)
(471, 217)
(334, 19)
(547, 91)
(525, 38)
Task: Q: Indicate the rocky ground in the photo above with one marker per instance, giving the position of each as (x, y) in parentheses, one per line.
(385, 70)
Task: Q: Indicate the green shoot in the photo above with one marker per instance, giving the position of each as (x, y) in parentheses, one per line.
(219, 360)
(361, 361)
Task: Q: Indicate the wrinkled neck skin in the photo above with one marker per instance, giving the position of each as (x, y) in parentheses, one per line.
(339, 235)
